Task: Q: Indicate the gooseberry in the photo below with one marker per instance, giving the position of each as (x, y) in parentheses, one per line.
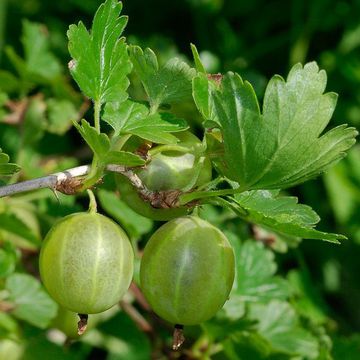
(86, 263)
(182, 167)
(187, 270)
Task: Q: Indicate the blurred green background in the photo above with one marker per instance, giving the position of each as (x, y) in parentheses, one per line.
(256, 39)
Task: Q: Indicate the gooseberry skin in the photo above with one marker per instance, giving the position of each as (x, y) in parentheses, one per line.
(86, 263)
(168, 170)
(187, 270)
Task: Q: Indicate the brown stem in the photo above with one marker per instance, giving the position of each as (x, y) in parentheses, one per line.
(138, 319)
(140, 298)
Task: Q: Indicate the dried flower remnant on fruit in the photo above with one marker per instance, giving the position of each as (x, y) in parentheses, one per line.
(82, 324)
(178, 337)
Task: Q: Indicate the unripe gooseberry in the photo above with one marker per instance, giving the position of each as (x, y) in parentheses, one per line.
(187, 270)
(86, 263)
(174, 167)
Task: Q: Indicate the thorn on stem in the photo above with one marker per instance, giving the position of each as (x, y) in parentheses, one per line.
(82, 324)
(178, 337)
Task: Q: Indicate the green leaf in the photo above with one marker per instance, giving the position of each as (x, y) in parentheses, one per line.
(98, 142)
(134, 224)
(100, 61)
(32, 303)
(308, 300)
(123, 158)
(6, 168)
(100, 145)
(34, 123)
(279, 325)
(39, 60)
(247, 345)
(282, 214)
(8, 259)
(133, 118)
(61, 113)
(255, 280)
(170, 83)
(124, 340)
(285, 144)
(14, 225)
(8, 82)
(156, 127)
(219, 327)
(117, 114)
(347, 348)
(198, 64)
(8, 327)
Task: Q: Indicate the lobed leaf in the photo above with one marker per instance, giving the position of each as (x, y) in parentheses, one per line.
(123, 158)
(117, 114)
(60, 115)
(100, 61)
(255, 279)
(98, 142)
(32, 303)
(101, 147)
(131, 117)
(279, 325)
(284, 145)
(170, 83)
(156, 127)
(282, 214)
(38, 58)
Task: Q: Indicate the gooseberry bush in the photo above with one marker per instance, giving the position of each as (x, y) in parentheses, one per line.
(186, 212)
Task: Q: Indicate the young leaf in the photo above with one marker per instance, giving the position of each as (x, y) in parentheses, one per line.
(32, 303)
(117, 114)
(284, 145)
(282, 214)
(279, 325)
(99, 143)
(133, 118)
(6, 168)
(100, 61)
(156, 127)
(168, 84)
(123, 158)
(198, 64)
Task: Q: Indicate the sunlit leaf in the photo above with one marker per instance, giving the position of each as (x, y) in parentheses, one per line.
(100, 61)
(285, 144)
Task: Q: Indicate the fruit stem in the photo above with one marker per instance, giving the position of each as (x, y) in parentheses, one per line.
(82, 324)
(178, 337)
(92, 203)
